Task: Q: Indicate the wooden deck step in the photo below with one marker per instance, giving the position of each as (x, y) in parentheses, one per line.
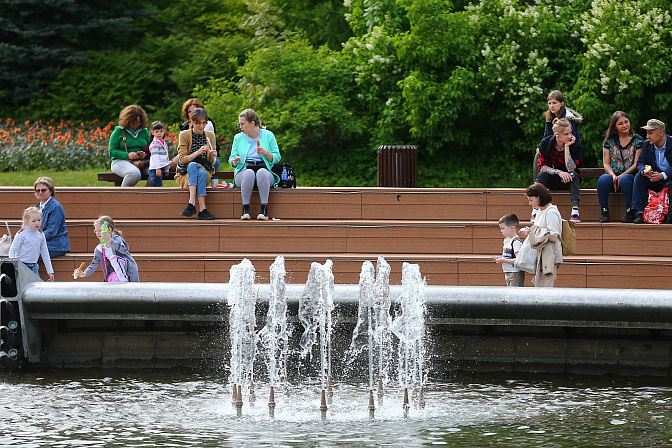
(621, 272)
(307, 203)
(357, 236)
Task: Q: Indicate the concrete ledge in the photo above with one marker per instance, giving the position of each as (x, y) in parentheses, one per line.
(161, 325)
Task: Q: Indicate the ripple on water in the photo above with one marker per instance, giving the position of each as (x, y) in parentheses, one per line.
(79, 408)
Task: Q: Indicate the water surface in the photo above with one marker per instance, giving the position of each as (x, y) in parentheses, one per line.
(115, 408)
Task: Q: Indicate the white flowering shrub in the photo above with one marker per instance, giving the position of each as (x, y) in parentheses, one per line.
(625, 64)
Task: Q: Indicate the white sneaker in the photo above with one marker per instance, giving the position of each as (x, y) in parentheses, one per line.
(575, 216)
(534, 214)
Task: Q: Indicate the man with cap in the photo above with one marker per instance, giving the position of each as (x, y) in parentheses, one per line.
(654, 169)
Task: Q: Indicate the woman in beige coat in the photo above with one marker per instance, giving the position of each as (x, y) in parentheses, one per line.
(197, 156)
(544, 235)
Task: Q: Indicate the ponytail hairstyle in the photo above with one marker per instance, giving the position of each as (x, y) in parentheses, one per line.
(559, 97)
(611, 130)
(559, 124)
(27, 213)
(110, 224)
(250, 115)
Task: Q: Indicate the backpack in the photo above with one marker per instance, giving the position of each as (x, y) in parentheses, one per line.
(513, 240)
(290, 182)
(118, 264)
(568, 238)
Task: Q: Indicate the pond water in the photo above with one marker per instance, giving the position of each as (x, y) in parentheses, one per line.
(121, 408)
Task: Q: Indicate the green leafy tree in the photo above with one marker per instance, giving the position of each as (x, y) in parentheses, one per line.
(302, 95)
(625, 66)
(40, 38)
(467, 87)
(321, 21)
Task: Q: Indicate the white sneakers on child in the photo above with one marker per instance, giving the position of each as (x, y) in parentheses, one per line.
(534, 214)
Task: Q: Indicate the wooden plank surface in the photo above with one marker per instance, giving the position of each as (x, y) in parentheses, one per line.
(441, 204)
(400, 238)
(467, 270)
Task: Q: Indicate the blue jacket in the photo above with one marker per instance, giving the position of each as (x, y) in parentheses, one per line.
(648, 156)
(53, 227)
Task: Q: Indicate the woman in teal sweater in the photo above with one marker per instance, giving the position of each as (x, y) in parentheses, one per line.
(253, 154)
(127, 144)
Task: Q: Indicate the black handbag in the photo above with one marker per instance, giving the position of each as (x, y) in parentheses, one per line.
(181, 169)
(286, 174)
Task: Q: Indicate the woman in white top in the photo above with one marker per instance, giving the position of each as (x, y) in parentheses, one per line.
(548, 218)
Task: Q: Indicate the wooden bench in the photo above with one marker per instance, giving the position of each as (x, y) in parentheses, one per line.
(591, 172)
(111, 177)
(585, 172)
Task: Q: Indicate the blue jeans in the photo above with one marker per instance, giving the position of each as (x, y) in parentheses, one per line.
(156, 180)
(197, 176)
(33, 267)
(605, 185)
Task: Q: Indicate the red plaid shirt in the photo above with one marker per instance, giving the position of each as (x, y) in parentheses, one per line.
(556, 160)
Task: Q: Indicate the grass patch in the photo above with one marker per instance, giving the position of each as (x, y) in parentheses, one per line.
(83, 178)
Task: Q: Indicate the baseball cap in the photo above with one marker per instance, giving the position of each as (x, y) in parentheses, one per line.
(654, 124)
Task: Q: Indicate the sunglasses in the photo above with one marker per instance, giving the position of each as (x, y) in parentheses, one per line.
(41, 190)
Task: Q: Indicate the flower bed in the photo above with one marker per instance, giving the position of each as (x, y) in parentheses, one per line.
(59, 145)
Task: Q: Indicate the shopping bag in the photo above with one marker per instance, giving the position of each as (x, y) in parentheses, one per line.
(5, 242)
(526, 260)
(658, 206)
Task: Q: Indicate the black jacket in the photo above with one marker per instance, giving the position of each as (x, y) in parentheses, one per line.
(648, 156)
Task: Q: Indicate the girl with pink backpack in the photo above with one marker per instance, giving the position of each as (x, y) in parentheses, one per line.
(112, 253)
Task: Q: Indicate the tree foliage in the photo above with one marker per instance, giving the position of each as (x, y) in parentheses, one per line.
(466, 82)
(39, 38)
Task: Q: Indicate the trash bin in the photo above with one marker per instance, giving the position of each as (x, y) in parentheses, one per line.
(398, 166)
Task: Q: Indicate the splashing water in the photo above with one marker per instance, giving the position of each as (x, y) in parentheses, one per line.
(362, 335)
(315, 307)
(381, 317)
(242, 301)
(274, 336)
(373, 319)
(409, 326)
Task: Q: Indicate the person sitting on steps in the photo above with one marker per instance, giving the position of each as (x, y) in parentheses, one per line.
(253, 154)
(559, 162)
(558, 109)
(654, 170)
(197, 153)
(621, 149)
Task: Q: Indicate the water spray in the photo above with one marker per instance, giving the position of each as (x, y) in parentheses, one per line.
(406, 405)
(380, 392)
(323, 406)
(239, 401)
(271, 404)
(409, 327)
(252, 397)
(372, 406)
